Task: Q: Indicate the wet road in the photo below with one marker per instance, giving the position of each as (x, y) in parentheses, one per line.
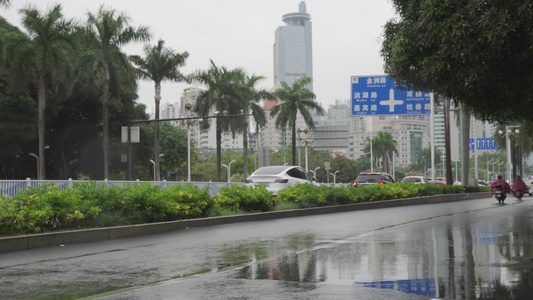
(474, 249)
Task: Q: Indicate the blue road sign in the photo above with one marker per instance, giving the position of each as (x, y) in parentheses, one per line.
(377, 95)
(483, 144)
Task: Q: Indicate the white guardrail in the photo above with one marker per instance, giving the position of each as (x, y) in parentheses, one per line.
(12, 187)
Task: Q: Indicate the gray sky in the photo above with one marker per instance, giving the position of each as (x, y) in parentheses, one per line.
(240, 34)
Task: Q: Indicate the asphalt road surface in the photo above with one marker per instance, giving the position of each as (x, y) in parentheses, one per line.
(476, 249)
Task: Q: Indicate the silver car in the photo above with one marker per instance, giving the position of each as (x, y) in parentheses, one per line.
(415, 179)
(278, 177)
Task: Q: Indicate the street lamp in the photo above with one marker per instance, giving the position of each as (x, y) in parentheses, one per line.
(371, 154)
(153, 162)
(488, 166)
(38, 166)
(307, 142)
(38, 162)
(314, 172)
(300, 144)
(508, 132)
(188, 107)
(228, 167)
(334, 176)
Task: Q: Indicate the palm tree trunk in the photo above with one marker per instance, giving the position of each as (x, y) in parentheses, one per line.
(105, 119)
(294, 143)
(219, 144)
(42, 108)
(245, 148)
(447, 141)
(157, 172)
(466, 149)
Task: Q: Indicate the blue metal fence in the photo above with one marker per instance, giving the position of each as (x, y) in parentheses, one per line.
(12, 187)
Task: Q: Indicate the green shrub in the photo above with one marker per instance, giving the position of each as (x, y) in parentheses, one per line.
(309, 195)
(45, 208)
(245, 198)
(92, 204)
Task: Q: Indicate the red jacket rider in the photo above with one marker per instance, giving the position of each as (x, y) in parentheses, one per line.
(502, 182)
(519, 185)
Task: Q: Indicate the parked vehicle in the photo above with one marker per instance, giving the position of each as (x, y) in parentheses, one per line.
(365, 179)
(481, 182)
(529, 184)
(278, 177)
(415, 179)
(438, 180)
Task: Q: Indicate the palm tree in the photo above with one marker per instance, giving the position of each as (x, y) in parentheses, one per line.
(222, 95)
(384, 145)
(249, 104)
(159, 64)
(50, 41)
(5, 3)
(109, 30)
(425, 158)
(294, 99)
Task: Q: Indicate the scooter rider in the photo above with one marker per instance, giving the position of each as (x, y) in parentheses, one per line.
(519, 185)
(503, 183)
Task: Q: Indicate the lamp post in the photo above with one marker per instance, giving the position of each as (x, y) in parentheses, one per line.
(335, 176)
(300, 144)
(314, 172)
(38, 165)
(508, 132)
(38, 162)
(371, 154)
(153, 162)
(488, 166)
(228, 167)
(306, 143)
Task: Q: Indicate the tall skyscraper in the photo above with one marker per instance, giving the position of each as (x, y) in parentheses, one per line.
(293, 51)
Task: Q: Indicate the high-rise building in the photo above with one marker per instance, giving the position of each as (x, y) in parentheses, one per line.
(293, 51)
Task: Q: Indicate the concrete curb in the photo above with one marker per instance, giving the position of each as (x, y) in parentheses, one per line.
(24, 242)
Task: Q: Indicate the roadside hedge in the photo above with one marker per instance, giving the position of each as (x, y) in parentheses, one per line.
(91, 204)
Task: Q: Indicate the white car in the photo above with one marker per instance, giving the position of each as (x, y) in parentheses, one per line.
(278, 177)
(415, 179)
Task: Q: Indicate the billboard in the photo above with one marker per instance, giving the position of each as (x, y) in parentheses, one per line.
(377, 95)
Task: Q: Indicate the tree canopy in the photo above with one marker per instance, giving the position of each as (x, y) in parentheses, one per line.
(477, 53)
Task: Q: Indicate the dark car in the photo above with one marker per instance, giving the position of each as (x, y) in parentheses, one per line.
(365, 179)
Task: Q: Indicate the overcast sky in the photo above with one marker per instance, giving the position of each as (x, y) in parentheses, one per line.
(347, 36)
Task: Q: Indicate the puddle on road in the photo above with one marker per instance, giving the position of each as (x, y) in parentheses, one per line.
(447, 261)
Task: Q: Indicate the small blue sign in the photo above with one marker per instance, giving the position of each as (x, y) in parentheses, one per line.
(484, 144)
(471, 144)
(377, 95)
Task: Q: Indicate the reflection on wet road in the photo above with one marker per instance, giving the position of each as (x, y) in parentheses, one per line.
(468, 250)
(477, 255)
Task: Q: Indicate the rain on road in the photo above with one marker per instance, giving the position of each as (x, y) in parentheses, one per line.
(474, 249)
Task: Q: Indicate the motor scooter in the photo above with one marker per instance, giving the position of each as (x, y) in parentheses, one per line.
(500, 194)
(518, 194)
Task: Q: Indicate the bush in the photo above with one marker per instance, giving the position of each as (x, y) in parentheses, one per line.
(92, 204)
(245, 198)
(309, 195)
(45, 208)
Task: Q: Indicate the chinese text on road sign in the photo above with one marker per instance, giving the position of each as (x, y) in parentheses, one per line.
(377, 95)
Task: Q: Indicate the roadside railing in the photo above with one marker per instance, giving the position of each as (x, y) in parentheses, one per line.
(12, 187)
